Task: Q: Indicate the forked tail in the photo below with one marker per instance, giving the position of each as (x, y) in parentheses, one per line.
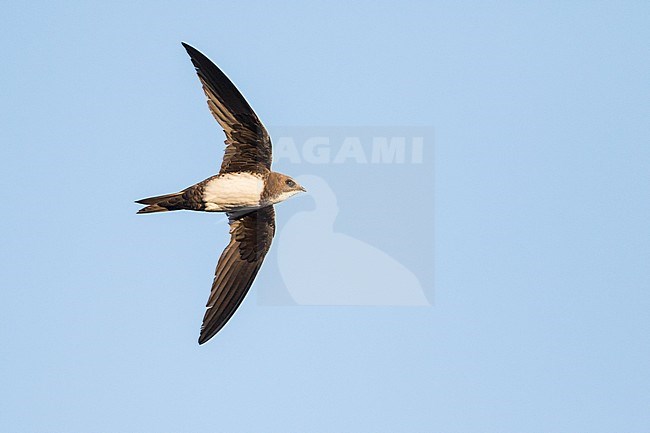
(162, 203)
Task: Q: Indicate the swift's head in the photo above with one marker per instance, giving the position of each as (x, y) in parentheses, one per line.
(280, 187)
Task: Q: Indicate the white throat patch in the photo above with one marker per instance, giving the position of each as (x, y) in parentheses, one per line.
(285, 195)
(233, 191)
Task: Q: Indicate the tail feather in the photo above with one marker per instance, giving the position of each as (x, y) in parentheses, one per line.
(156, 199)
(153, 208)
(162, 203)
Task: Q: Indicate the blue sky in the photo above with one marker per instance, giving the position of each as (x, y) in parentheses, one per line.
(526, 225)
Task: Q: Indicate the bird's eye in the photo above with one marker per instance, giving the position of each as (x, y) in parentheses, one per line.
(291, 183)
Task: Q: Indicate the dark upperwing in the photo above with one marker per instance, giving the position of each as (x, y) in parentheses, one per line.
(248, 145)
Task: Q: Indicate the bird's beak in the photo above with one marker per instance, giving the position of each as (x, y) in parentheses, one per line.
(302, 188)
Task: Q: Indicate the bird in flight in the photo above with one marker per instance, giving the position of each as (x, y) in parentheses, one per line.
(245, 189)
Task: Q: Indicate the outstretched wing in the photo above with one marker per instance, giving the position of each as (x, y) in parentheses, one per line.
(248, 145)
(250, 240)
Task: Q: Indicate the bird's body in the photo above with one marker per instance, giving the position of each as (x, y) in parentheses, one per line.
(226, 192)
(245, 189)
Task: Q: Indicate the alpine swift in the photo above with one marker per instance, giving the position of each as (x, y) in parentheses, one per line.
(245, 189)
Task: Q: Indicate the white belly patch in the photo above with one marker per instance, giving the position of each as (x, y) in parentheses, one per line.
(231, 192)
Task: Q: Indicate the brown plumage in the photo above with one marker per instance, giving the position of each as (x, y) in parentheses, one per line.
(250, 240)
(248, 145)
(246, 161)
